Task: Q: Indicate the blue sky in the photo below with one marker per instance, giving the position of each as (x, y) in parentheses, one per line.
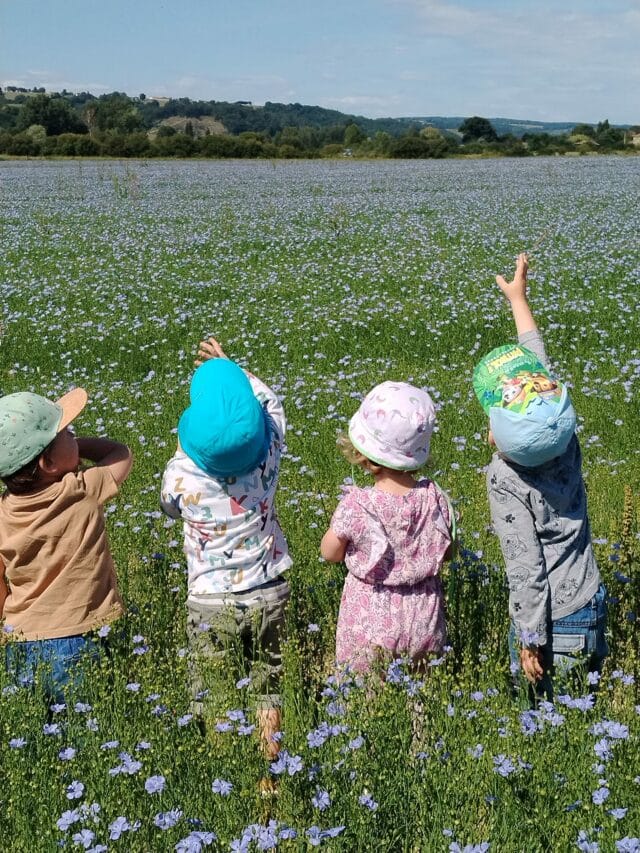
(550, 60)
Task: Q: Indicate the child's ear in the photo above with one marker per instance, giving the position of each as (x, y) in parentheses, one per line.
(46, 465)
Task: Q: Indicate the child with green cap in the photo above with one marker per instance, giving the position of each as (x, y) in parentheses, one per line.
(539, 506)
(62, 590)
(222, 482)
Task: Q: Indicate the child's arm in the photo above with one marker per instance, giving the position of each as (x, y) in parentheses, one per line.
(4, 592)
(107, 454)
(332, 547)
(516, 294)
(210, 348)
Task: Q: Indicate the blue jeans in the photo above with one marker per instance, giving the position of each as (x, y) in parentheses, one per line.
(56, 662)
(578, 645)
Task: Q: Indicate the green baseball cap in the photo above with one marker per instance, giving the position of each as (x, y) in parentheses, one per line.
(29, 423)
(510, 377)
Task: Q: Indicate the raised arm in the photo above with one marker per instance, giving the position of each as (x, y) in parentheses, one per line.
(516, 293)
(211, 348)
(106, 453)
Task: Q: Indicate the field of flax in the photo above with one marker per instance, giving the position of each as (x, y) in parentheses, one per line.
(325, 278)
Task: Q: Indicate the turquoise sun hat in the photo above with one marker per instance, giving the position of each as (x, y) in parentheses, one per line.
(225, 430)
(531, 416)
(29, 423)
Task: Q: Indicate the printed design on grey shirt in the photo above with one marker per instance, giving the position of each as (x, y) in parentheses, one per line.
(513, 546)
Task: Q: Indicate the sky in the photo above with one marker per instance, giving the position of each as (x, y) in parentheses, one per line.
(544, 60)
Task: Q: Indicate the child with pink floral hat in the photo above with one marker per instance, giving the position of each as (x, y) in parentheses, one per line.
(393, 536)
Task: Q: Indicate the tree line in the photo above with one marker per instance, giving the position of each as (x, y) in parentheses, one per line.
(116, 125)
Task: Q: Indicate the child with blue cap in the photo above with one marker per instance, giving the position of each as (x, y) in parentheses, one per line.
(538, 505)
(222, 483)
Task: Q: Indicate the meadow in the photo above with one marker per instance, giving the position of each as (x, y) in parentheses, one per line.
(325, 278)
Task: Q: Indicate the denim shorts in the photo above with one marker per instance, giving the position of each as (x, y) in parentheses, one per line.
(54, 665)
(577, 645)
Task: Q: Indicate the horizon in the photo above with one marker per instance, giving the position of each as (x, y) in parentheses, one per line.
(372, 58)
(155, 97)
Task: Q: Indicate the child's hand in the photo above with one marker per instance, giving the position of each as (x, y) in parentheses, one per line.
(531, 662)
(516, 289)
(209, 349)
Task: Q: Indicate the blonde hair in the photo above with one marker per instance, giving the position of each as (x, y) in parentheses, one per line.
(354, 456)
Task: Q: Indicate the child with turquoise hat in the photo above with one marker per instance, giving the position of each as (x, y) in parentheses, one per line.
(539, 506)
(221, 483)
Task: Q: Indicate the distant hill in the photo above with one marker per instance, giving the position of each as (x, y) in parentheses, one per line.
(215, 117)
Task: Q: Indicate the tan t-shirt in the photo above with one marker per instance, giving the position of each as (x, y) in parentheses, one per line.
(54, 547)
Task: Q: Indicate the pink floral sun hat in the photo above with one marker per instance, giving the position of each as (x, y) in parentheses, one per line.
(393, 426)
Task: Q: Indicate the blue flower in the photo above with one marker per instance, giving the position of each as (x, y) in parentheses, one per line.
(618, 814)
(321, 800)
(195, 842)
(154, 784)
(600, 795)
(17, 742)
(585, 845)
(503, 766)
(75, 790)
(67, 754)
(84, 838)
(166, 820)
(67, 819)
(121, 825)
(628, 845)
(222, 787)
(365, 799)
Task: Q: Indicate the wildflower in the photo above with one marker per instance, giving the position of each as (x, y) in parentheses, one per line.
(67, 754)
(121, 825)
(184, 720)
(166, 820)
(81, 708)
(312, 628)
(600, 795)
(503, 766)
(67, 819)
(92, 724)
(75, 790)
(224, 727)
(365, 799)
(110, 744)
(195, 842)
(154, 785)
(51, 729)
(104, 631)
(628, 845)
(586, 846)
(245, 730)
(603, 749)
(317, 835)
(321, 800)
(57, 707)
(243, 682)
(356, 743)
(222, 787)
(133, 687)
(476, 751)
(17, 742)
(291, 763)
(454, 847)
(84, 838)
(618, 814)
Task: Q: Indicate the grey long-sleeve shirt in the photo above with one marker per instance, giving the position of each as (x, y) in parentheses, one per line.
(540, 517)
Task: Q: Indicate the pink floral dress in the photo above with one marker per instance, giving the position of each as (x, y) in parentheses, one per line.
(392, 599)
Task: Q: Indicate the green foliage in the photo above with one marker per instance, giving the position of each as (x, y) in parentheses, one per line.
(55, 114)
(477, 128)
